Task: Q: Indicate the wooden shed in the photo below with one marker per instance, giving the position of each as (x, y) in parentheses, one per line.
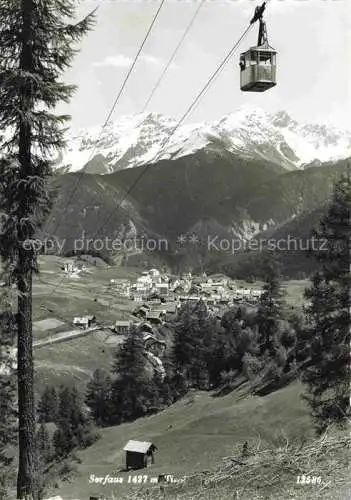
(138, 454)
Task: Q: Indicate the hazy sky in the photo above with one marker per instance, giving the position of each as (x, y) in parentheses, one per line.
(312, 38)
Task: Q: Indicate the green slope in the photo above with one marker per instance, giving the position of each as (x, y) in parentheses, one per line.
(203, 430)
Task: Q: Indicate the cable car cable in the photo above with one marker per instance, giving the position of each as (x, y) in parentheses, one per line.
(74, 190)
(202, 93)
(173, 55)
(187, 112)
(149, 99)
(152, 92)
(190, 108)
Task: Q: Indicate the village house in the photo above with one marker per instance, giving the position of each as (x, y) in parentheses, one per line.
(155, 276)
(69, 267)
(171, 298)
(159, 308)
(171, 308)
(154, 298)
(72, 266)
(241, 293)
(139, 454)
(152, 344)
(141, 311)
(146, 327)
(137, 298)
(211, 301)
(166, 308)
(144, 282)
(223, 300)
(84, 321)
(162, 289)
(219, 281)
(165, 278)
(206, 287)
(154, 273)
(140, 294)
(155, 317)
(122, 327)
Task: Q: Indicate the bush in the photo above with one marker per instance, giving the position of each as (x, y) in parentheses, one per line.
(252, 366)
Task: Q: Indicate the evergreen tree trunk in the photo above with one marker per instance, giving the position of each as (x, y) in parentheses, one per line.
(36, 46)
(26, 483)
(8, 403)
(26, 479)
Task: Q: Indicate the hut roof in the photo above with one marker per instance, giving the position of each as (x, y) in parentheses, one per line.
(137, 446)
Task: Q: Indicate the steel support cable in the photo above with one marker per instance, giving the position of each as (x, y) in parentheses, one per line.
(190, 108)
(173, 55)
(74, 190)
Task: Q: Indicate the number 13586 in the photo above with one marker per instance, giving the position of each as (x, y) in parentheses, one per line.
(308, 479)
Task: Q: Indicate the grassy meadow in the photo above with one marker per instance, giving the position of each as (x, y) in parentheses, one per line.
(194, 436)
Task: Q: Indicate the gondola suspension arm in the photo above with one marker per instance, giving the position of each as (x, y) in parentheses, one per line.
(262, 32)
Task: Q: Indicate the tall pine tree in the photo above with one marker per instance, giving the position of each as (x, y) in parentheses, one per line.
(275, 337)
(239, 339)
(133, 387)
(45, 454)
(98, 397)
(74, 428)
(48, 405)
(327, 373)
(44, 445)
(271, 308)
(36, 40)
(188, 347)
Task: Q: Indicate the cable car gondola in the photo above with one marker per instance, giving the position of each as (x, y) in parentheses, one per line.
(258, 64)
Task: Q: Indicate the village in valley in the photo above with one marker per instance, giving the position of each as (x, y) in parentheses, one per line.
(155, 297)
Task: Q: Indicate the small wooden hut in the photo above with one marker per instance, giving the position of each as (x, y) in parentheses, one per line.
(138, 454)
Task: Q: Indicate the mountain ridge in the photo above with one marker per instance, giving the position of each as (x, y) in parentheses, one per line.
(250, 133)
(205, 194)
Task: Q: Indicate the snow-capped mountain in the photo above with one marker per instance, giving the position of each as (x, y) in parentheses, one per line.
(250, 132)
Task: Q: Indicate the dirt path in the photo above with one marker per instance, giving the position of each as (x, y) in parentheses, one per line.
(65, 336)
(62, 367)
